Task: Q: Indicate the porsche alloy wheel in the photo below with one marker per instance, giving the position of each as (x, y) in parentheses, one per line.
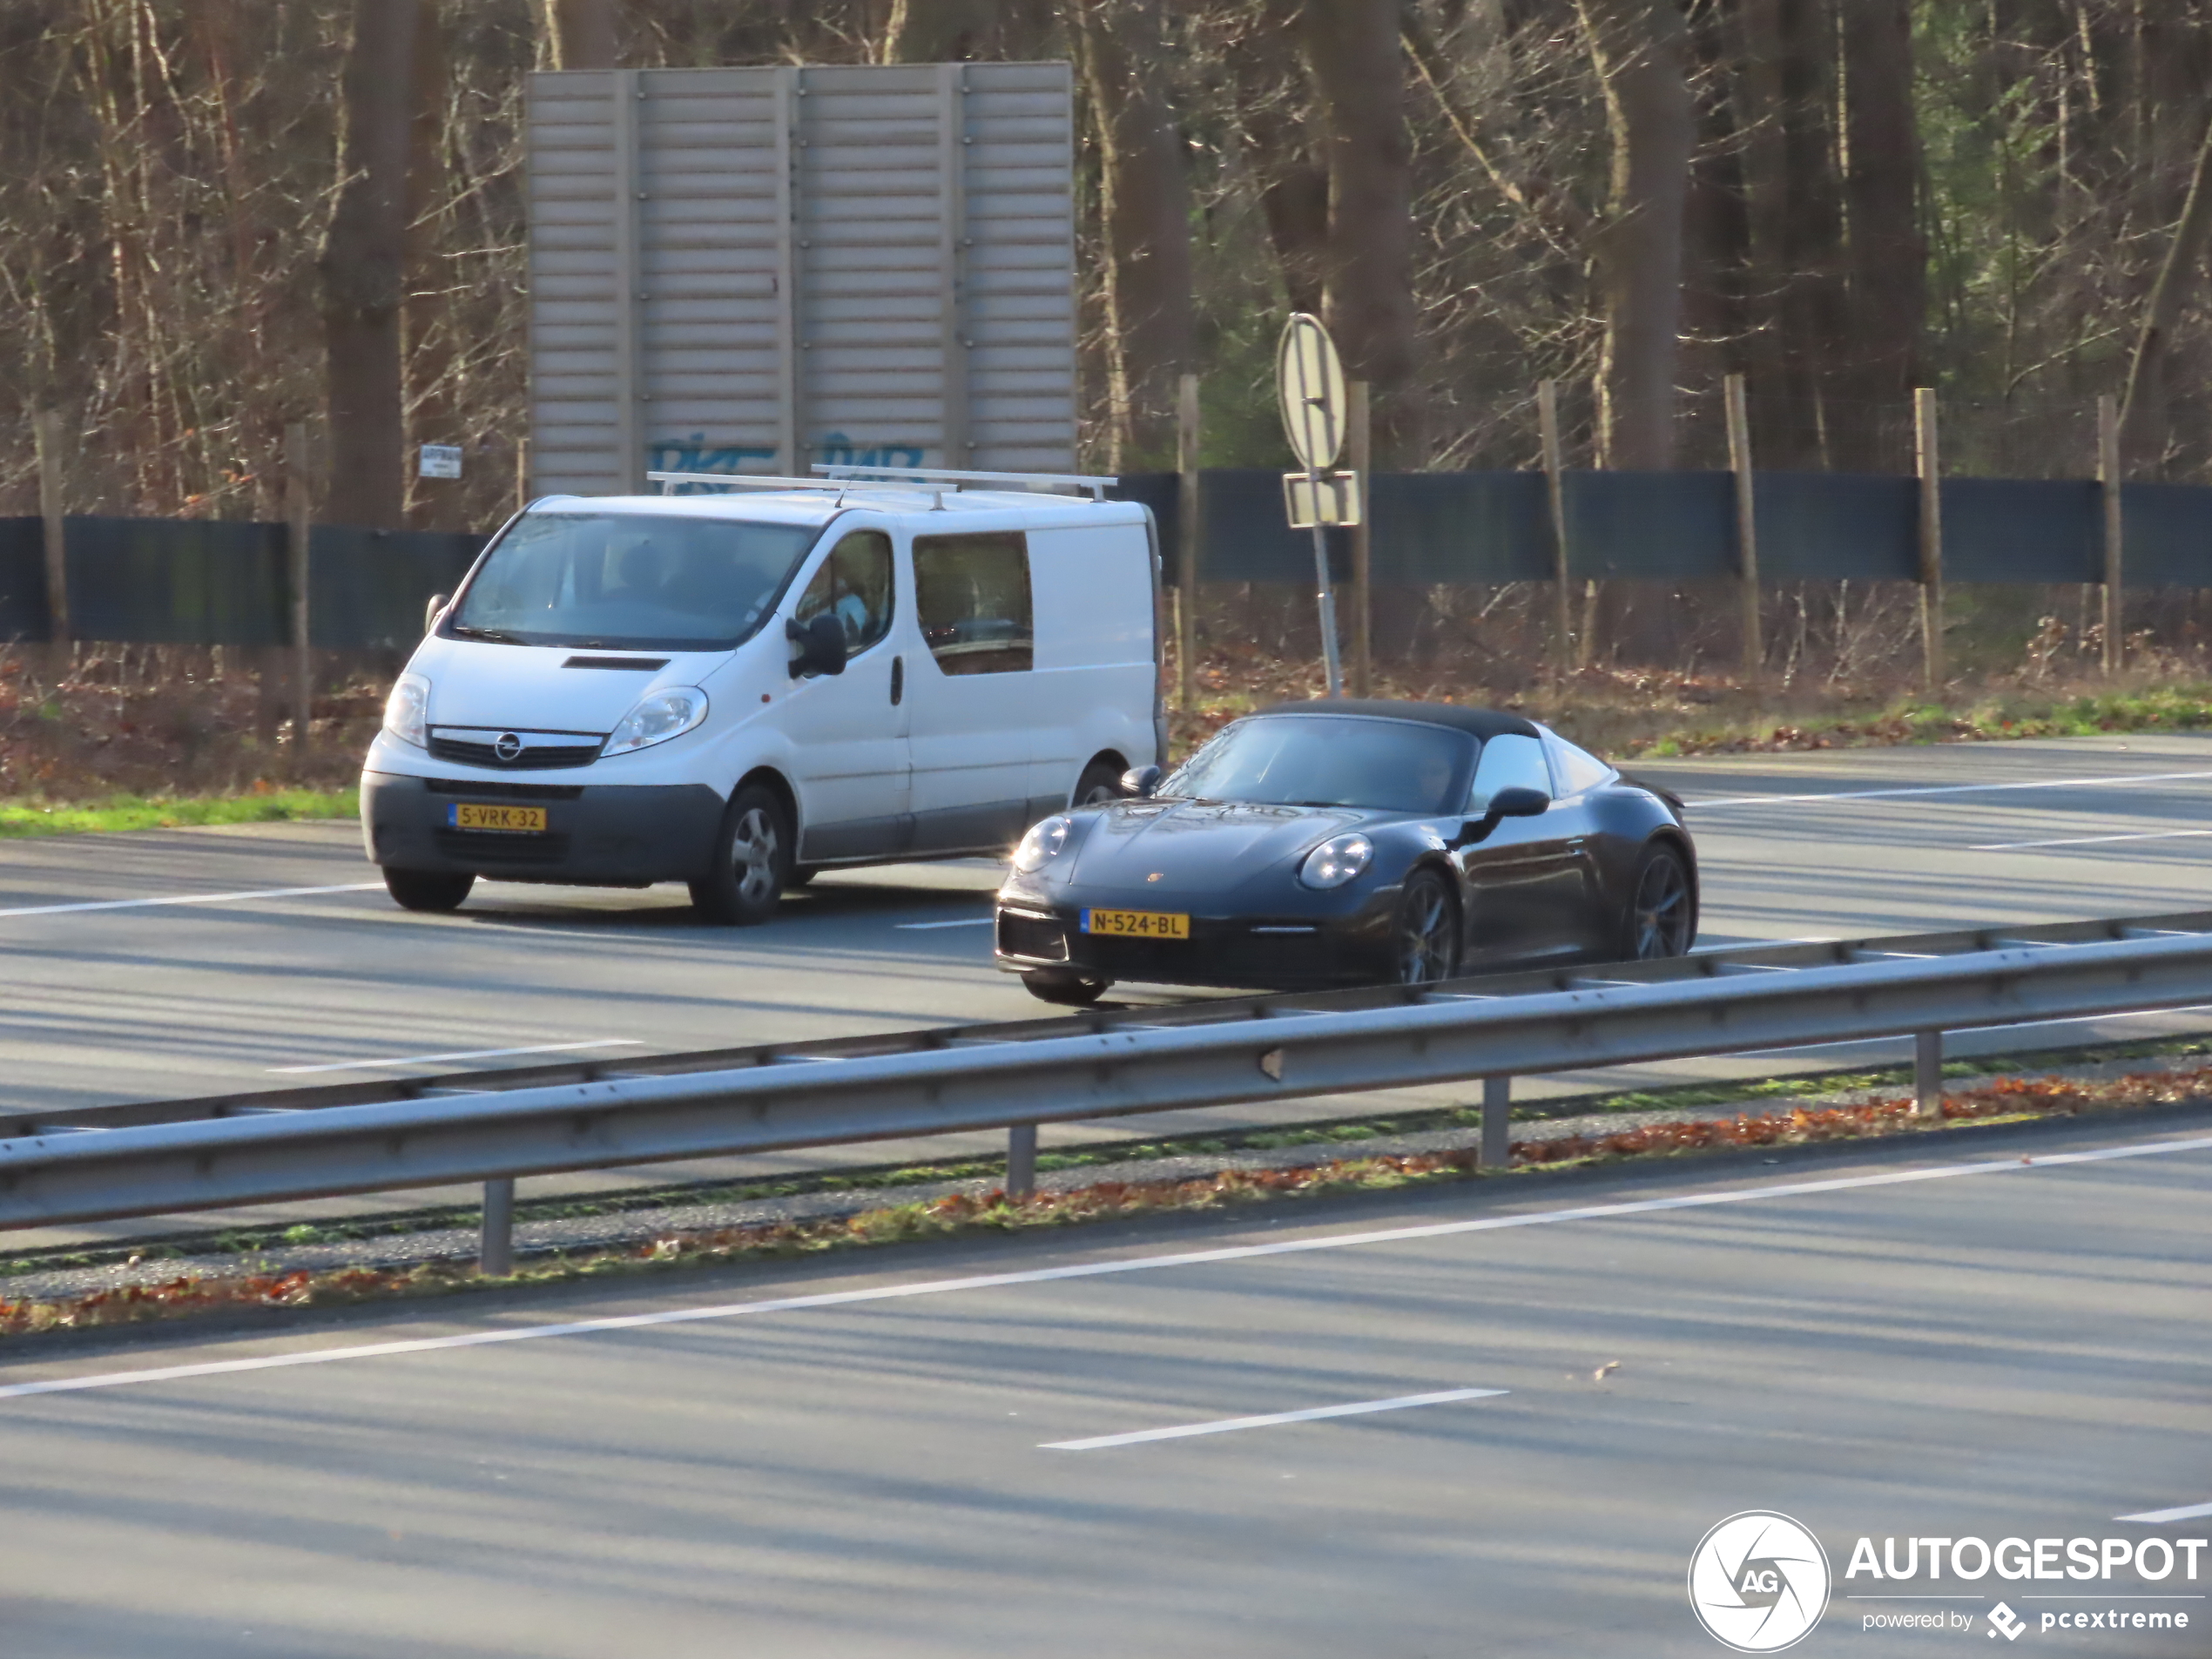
(1661, 915)
(1426, 941)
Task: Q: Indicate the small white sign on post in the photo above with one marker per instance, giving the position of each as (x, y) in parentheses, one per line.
(1309, 381)
(441, 461)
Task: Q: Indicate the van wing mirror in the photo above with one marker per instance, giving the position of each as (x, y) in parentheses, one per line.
(438, 602)
(821, 645)
(1140, 781)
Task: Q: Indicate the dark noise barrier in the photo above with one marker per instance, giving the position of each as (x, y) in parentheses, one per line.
(199, 582)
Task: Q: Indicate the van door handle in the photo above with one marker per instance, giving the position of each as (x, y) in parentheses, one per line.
(898, 679)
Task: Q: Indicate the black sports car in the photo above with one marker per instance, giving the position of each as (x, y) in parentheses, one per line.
(1345, 842)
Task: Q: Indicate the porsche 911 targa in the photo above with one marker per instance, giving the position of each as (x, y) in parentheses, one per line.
(1347, 842)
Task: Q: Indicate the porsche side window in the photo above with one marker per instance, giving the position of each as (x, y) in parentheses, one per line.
(854, 586)
(1508, 762)
(1577, 771)
(972, 599)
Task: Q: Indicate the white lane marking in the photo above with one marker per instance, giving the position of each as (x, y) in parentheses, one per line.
(965, 922)
(1092, 1269)
(193, 898)
(1311, 1414)
(2089, 840)
(1951, 789)
(2159, 1517)
(464, 1053)
(1763, 944)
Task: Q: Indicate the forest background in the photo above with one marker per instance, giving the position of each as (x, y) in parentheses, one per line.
(221, 217)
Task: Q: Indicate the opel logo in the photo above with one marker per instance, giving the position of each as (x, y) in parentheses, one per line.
(507, 747)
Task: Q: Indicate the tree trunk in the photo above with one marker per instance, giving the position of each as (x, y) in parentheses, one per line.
(363, 267)
(1889, 256)
(1151, 322)
(937, 31)
(427, 352)
(1354, 56)
(583, 33)
(2142, 412)
(1641, 50)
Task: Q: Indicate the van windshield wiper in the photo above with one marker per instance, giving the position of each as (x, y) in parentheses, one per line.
(498, 636)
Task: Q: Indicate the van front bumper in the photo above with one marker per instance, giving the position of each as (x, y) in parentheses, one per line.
(618, 834)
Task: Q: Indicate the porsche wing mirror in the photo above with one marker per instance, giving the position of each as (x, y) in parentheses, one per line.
(1140, 781)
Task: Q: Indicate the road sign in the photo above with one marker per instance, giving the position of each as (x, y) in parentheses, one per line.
(1329, 498)
(1309, 378)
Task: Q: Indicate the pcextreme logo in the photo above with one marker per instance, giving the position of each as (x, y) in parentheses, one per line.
(1758, 1582)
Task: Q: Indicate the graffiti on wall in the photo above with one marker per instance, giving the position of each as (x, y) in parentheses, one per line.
(695, 454)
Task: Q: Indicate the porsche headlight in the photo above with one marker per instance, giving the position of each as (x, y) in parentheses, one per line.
(1041, 845)
(1336, 861)
(407, 712)
(656, 719)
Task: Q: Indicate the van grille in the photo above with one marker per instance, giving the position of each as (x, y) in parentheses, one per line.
(503, 792)
(535, 756)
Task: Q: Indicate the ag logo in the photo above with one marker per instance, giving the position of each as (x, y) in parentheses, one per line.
(1758, 1582)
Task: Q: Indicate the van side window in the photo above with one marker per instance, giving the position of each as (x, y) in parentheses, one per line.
(854, 586)
(972, 599)
(1508, 762)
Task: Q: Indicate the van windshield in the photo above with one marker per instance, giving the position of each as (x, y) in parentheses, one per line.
(633, 581)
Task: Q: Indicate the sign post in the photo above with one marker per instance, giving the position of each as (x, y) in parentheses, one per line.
(1308, 380)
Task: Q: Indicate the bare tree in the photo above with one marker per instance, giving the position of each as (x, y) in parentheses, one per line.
(1640, 48)
(1889, 254)
(1353, 53)
(581, 33)
(363, 267)
(1146, 209)
(938, 31)
(2143, 410)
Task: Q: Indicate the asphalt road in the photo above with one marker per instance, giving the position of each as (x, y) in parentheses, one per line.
(284, 962)
(872, 1457)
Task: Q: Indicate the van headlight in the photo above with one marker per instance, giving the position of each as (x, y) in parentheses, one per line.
(1336, 861)
(658, 718)
(407, 712)
(1041, 845)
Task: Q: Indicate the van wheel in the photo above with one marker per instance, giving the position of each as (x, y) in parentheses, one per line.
(753, 861)
(1100, 782)
(434, 890)
(1058, 985)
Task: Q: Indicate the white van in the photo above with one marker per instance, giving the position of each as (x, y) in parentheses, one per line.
(737, 690)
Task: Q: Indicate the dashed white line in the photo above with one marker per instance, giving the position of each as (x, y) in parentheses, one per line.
(2043, 1164)
(192, 898)
(1311, 1414)
(463, 1053)
(2160, 1517)
(2089, 840)
(1952, 789)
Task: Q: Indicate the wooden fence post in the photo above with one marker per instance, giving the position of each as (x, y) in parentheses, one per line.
(46, 431)
(1359, 440)
(1556, 488)
(298, 516)
(1930, 465)
(1747, 525)
(2109, 478)
(1186, 539)
(522, 473)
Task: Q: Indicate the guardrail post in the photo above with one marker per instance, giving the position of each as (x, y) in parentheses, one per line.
(1497, 1121)
(495, 1253)
(1022, 1161)
(1927, 1073)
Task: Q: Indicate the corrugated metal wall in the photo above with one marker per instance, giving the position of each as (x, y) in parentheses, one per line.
(759, 269)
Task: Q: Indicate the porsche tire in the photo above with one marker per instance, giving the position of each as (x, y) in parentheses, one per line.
(1662, 918)
(1058, 985)
(1424, 937)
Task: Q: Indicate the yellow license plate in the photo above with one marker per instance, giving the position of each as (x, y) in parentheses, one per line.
(1137, 924)
(472, 815)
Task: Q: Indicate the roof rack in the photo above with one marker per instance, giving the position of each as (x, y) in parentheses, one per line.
(731, 480)
(861, 474)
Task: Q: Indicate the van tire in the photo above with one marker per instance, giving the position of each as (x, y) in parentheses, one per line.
(430, 890)
(1068, 989)
(1102, 782)
(752, 860)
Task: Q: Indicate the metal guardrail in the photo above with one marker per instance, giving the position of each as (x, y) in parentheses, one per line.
(103, 1163)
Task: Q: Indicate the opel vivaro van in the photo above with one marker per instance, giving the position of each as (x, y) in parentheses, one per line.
(736, 690)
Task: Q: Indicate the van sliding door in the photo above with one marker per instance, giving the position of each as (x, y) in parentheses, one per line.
(971, 690)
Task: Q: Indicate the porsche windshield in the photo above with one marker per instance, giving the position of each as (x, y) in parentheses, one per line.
(634, 580)
(1326, 760)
